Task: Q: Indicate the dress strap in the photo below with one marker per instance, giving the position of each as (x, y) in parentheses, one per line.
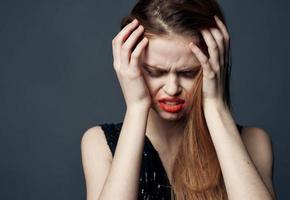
(240, 127)
(112, 132)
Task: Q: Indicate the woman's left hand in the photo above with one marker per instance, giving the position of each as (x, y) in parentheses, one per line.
(217, 41)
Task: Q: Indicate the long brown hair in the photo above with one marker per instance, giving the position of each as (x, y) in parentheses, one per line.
(196, 173)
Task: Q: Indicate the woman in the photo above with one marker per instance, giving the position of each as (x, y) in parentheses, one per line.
(178, 139)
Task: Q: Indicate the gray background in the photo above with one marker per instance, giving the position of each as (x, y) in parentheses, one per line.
(57, 80)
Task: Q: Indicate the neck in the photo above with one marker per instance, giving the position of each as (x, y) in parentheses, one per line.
(164, 134)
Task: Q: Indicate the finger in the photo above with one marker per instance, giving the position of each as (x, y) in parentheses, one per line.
(128, 45)
(220, 42)
(120, 38)
(222, 27)
(212, 49)
(125, 32)
(226, 36)
(204, 61)
(135, 56)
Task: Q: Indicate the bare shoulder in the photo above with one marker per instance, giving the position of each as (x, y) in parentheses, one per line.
(94, 140)
(259, 146)
(255, 135)
(96, 160)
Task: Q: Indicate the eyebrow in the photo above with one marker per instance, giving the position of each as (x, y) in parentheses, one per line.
(162, 69)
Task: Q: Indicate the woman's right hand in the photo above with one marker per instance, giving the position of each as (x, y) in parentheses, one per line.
(127, 64)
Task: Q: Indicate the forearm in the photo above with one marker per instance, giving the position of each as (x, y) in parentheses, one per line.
(241, 178)
(123, 179)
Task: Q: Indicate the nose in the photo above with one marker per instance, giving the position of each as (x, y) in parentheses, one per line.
(172, 86)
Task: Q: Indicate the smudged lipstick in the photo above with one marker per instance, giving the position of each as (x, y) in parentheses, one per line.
(172, 105)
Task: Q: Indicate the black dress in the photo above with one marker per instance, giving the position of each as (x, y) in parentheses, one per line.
(154, 183)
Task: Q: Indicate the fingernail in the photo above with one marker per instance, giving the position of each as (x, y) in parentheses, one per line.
(136, 21)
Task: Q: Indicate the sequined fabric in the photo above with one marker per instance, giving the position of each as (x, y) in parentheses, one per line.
(153, 181)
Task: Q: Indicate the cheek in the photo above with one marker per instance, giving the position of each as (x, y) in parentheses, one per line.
(147, 80)
(152, 86)
(190, 92)
(189, 86)
(189, 98)
(151, 83)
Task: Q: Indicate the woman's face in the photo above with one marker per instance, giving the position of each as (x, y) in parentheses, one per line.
(170, 69)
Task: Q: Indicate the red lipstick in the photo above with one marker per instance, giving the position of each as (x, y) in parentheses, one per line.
(172, 105)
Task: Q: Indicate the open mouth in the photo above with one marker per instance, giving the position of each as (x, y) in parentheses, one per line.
(172, 107)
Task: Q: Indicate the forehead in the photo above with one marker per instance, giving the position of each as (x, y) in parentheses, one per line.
(167, 52)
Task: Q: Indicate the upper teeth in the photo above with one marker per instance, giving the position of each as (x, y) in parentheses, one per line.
(171, 103)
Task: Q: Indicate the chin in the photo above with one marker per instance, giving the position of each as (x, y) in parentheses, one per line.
(171, 117)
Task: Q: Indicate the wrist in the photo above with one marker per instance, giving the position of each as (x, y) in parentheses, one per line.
(210, 104)
(137, 108)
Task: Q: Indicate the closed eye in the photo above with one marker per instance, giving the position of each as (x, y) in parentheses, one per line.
(189, 74)
(157, 72)
(186, 74)
(154, 72)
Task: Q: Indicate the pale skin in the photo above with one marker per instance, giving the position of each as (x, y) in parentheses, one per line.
(245, 159)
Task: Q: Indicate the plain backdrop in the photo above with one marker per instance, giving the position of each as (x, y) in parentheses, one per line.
(57, 80)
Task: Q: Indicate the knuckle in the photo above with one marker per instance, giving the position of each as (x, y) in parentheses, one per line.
(116, 66)
(115, 40)
(219, 38)
(214, 47)
(122, 71)
(116, 69)
(125, 48)
(135, 55)
(205, 61)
